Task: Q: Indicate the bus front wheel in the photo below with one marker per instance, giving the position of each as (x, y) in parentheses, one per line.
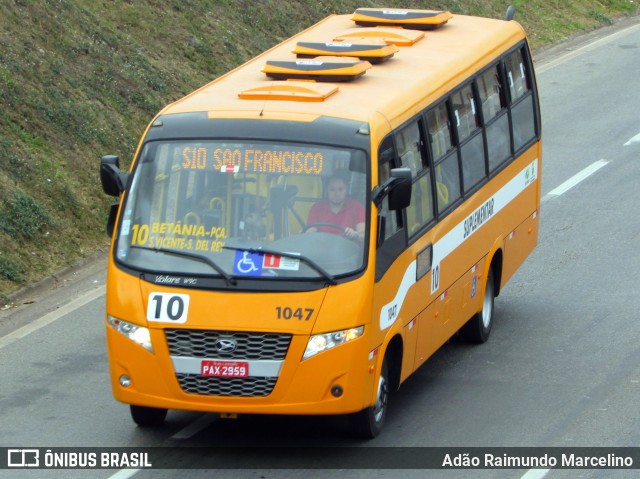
(148, 416)
(478, 328)
(368, 422)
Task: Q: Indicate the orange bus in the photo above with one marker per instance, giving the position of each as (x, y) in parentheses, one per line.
(299, 235)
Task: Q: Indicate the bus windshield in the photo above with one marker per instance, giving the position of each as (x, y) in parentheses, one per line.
(256, 210)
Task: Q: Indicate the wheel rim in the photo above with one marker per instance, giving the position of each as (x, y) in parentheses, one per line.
(380, 406)
(487, 305)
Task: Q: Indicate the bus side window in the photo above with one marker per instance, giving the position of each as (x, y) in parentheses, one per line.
(467, 126)
(440, 131)
(516, 75)
(495, 117)
(391, 237)
(411, 149)
(391, 220)
(408, 143)
(519, 82)
(445, 158)
(464, 112)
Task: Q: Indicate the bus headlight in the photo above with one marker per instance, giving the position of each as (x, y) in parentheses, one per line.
(135, 333)
(321, 342)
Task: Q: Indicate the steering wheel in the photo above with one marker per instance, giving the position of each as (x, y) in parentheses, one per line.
(341, 228)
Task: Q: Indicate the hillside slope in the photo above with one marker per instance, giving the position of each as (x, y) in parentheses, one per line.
(82, 78)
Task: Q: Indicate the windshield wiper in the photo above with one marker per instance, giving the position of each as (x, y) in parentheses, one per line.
(323, 272)
(230, 280)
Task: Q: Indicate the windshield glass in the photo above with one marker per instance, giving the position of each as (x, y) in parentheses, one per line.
(234, 210)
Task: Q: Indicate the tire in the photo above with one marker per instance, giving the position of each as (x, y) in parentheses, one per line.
(148, 416)
(368, 423)
(478, 328)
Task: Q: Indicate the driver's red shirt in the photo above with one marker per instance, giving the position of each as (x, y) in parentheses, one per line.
(351, 213)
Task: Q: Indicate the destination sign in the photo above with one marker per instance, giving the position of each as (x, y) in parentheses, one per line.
(253, 160)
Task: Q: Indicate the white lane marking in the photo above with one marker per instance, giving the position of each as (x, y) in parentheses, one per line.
(191, 430)
(586, 48)
(51, 317)
(124, 474)
(195, 427)
(535, 474)
(575, 179)
(635, 139)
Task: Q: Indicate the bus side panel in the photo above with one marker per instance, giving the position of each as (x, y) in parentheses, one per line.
(397, 301)
(411, 333)
(428, 340)
(448, 313)
(463, 271)
(519, 244)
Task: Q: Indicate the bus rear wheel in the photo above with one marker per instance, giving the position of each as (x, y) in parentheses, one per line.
(478, 328)
(368, 423)
(148, 416)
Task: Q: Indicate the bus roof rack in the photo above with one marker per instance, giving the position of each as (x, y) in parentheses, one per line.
(373, 51)
(405, 18)
(395, 36)
(328, 68)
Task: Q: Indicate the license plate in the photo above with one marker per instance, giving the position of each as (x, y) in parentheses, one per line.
(224, 369)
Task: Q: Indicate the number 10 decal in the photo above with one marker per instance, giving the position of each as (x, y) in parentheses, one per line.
(435, 278)
(168, 308)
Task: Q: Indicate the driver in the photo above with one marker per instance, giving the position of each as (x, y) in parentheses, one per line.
(338, 209)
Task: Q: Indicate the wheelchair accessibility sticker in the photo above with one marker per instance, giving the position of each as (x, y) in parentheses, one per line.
(255, 264)
(247, 264)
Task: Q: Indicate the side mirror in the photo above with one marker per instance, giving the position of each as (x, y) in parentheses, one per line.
(400, 193)
(398, 188)
(113, 180)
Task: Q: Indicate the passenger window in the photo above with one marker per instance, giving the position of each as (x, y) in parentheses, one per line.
(473, 167)
(496, 121)
(384, 172)
(464, 113)
(391, 223)
(390, 218)
(491, 95)
(516, 75)
(420, 211)
(523, 118)
(522, 109)
(498, 142)
(408, 144)
(447, 181)
(439, 131)
(392, 236)
(446, 168)
(467, 123)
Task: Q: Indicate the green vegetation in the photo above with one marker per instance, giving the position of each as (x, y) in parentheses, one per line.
(82, 78)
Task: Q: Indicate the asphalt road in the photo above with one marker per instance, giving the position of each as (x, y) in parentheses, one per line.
(562, 367)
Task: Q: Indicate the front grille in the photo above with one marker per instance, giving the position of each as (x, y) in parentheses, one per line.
(244, 387)
(195, 343)
(198, 343)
